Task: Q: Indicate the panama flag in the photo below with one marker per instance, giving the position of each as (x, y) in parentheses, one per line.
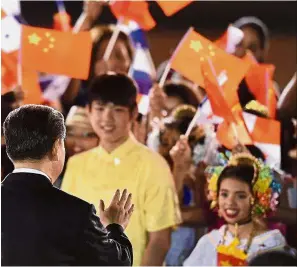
(10, 44)
(142, 69)
(11, 7)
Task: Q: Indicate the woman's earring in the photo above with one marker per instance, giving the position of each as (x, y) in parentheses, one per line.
(252, 201)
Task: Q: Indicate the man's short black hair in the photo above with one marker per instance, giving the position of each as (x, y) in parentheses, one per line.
(31, 131)
(116, 88)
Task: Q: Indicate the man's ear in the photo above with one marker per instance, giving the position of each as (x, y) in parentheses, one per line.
(54, 155)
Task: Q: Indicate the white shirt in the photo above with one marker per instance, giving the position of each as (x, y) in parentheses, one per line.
(28, 170)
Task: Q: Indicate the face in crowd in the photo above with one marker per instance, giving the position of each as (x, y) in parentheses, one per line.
(80, 134)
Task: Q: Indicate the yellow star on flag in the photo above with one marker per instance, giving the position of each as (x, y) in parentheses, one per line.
(34, 39)
(226, 263)
(196, 45)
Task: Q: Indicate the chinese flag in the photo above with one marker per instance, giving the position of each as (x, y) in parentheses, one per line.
(8, 71)
(225, 103)
(228, 260)
(249, 58)
(134, 10)
(194, 49)
(262, 127)
(30, 82)
(3, 14)
(171, 7)
(218, 101)
(31, 87)
(260, 82)
(230, 135)
(272, 100)
(62, 21)
(56, 52)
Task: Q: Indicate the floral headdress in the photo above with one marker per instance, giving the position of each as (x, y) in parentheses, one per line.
(266, 189)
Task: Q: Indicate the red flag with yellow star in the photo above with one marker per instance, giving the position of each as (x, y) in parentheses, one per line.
(171, 7)
(218, 101)
(134, 10)
(31, 88)
(56, 52)
(260, 82)
(194, 49)
(8, 71)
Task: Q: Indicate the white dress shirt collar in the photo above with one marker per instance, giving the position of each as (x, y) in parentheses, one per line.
(28, 170)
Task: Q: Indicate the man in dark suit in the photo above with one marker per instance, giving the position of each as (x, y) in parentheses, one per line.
(42, 225)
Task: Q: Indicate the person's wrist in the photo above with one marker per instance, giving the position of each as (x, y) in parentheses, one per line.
(182, 166)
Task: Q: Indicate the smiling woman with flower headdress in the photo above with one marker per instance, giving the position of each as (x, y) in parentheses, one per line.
(244, 191)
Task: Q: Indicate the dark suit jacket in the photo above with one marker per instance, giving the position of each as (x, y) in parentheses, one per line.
(42, 225)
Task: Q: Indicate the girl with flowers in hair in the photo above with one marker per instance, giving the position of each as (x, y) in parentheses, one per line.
(244, 192)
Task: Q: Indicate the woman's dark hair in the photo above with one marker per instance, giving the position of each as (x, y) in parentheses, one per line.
(180, 121)
(275, 258)
(256, 152)
(241, 172)
(256, 24)
(106, 35)
(180, 124)
(183, 92)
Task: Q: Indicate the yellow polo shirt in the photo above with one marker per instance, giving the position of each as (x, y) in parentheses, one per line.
(96, 174)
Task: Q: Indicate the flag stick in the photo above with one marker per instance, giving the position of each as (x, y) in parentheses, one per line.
(61, 11)
(19, 68)
(19, 73)
(112, 41)
(164, 75)
(80, 21)
(235, 132)
(193, 123)
(153, 68)
(287, 89)
(167, 69)
(267, 87)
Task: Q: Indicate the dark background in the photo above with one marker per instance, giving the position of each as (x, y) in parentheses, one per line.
(279, 16)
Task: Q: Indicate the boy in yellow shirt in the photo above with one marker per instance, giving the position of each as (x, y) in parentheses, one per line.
(122, 162)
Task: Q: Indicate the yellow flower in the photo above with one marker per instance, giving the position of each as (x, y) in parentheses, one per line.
(262, 185)
(212, 186)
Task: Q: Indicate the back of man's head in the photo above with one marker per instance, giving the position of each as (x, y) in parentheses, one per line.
(31, 131)
(116, 88)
